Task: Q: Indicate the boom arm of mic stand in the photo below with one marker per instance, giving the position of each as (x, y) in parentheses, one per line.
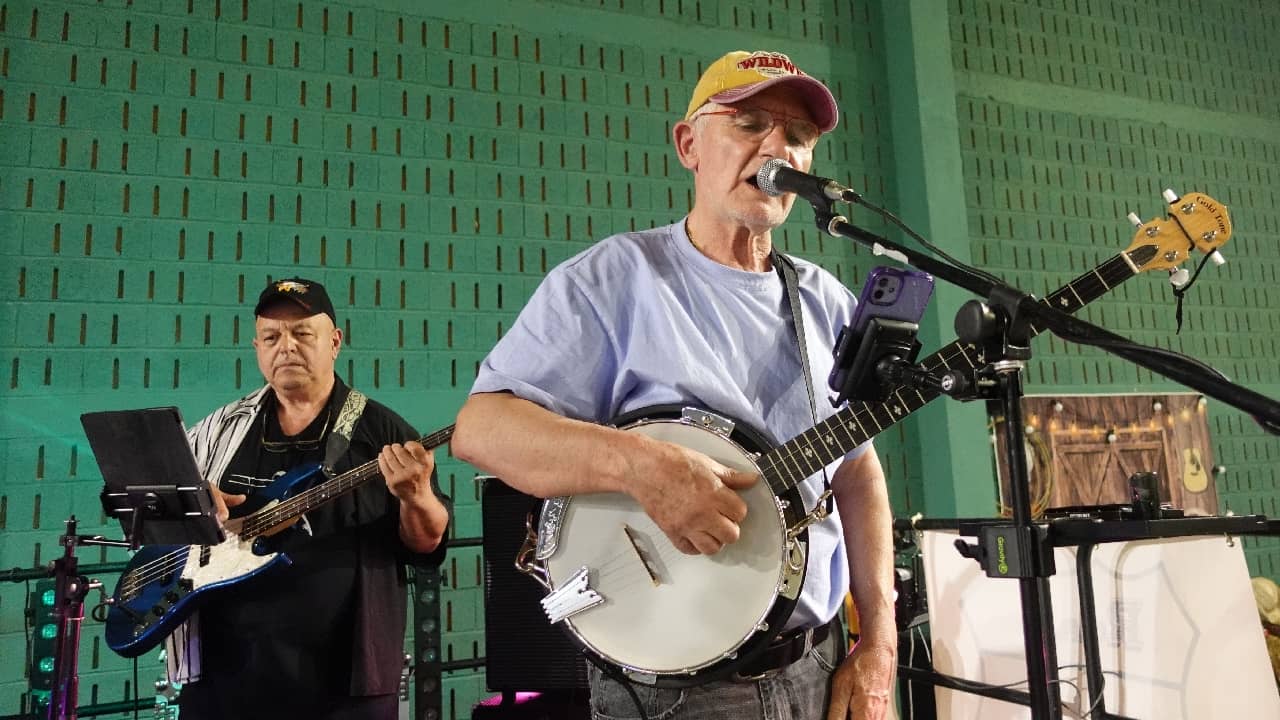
(839, 226)
(1068, 327)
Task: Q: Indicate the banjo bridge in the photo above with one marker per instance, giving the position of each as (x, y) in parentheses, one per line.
(571, 598)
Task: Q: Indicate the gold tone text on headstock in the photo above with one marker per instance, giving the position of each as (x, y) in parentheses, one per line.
(1195, 221)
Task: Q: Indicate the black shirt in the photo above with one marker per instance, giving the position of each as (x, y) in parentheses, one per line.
(331, 623)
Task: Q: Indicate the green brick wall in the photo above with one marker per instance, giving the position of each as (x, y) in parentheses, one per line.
(1072, 114)
(427, 162)
(430, 161)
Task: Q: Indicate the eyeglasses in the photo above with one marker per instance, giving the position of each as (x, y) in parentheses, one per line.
(299, 445)
(756, 124)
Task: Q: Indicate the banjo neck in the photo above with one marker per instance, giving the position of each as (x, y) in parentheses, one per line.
(790, 463)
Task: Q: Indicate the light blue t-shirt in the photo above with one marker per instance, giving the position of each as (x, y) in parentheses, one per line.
(643, 319)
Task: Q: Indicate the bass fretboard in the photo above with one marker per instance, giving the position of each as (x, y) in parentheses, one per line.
(312, 498)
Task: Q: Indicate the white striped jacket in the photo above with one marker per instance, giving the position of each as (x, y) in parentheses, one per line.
(214, 441)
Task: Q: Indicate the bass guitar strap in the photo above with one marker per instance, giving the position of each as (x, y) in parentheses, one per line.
(787, 270)
(340, 438)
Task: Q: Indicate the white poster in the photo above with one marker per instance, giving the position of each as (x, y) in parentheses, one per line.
(1178, 632)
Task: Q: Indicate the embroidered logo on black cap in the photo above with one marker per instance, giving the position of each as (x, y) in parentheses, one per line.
(291, 286)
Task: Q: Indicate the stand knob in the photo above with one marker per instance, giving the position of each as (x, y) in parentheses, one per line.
(973, 551)
(975, 322)
(955, 383)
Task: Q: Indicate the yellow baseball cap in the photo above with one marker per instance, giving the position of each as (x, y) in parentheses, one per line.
(740, 74)
(1266, 594)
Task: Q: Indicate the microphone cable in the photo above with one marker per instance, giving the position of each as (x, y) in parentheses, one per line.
(895, 220)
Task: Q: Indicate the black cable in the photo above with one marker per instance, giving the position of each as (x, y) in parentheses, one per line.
(1169, 359)
(930, 246)
(1166, 355)
(635, 699)
(1097, 699)
(1180, 292)
(28, 623)
(1083, 338)
(1074, 337)
(617, 676)
(135, 687)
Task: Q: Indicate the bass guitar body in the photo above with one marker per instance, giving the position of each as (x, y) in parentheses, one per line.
(162, 584)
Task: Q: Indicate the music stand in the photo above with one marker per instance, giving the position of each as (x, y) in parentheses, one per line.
(151, 482)
(153, 487)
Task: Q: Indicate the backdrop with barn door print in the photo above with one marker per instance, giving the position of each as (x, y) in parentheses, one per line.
(1081, 450)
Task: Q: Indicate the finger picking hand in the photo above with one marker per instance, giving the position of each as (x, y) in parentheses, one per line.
(706, 543)
(739, 480)
(732, 507)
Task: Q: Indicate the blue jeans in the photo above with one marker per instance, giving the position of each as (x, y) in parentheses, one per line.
(800, 692)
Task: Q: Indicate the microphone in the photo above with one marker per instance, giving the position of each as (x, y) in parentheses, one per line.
(776, 176)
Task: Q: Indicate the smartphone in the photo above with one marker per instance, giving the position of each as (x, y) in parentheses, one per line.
(889, 293)
(892, 294)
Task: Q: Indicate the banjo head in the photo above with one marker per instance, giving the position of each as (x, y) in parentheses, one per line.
(696, 614)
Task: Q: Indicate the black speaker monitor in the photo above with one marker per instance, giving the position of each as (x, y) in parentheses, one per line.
(523, 650)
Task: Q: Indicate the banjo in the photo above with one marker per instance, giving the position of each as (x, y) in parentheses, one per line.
(630, 599)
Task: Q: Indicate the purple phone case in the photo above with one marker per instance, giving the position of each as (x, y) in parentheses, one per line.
(914, 288)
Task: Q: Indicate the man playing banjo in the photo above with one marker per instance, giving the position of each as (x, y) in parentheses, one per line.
(695, 314)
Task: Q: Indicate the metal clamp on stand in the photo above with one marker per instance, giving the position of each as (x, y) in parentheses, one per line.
(1005, 551)
(958, 384)
(867, 364)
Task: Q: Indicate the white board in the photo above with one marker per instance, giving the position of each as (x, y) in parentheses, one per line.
(1176, 620)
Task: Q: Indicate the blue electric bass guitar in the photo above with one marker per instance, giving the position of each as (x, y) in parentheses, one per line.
(163, 584)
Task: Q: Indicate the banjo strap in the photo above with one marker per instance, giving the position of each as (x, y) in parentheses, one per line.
(787, 269)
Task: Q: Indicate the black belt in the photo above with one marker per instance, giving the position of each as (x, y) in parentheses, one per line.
(784, 650)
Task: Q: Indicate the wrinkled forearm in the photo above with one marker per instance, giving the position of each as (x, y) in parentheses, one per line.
(423, 522)
(541, 453)
(863, 500)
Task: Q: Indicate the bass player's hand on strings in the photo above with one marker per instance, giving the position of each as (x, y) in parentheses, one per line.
(222, 501)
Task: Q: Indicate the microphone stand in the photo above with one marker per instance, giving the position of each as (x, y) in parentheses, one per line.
(71, 587)
(1003, 328)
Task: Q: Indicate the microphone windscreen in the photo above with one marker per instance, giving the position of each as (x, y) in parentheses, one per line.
(765, 176)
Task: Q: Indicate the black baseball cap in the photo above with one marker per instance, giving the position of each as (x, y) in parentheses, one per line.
(306, 294)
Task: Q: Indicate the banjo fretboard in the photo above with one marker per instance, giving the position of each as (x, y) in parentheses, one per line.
(790, 463)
